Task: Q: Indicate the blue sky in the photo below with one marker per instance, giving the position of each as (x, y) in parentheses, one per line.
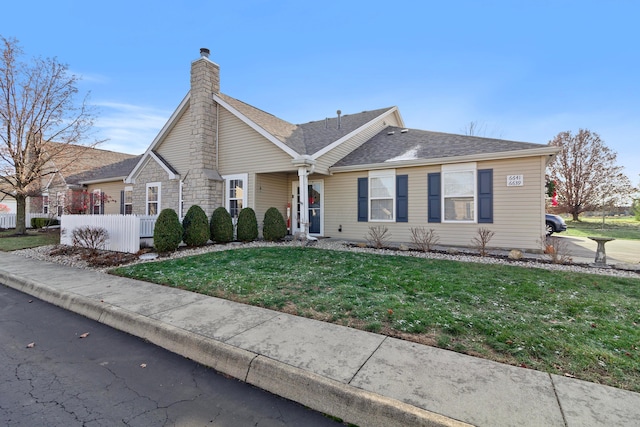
(522, 70)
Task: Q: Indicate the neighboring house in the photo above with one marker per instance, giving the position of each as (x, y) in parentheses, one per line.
(62, 189)
(340, 176)
(106, 193)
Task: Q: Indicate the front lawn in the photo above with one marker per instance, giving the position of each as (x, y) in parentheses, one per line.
(9, 241)
(566, 323)
(616, 227)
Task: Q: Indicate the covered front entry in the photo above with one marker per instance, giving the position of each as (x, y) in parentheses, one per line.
(315, 210)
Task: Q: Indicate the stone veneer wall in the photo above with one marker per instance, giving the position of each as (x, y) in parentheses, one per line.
(169, 189)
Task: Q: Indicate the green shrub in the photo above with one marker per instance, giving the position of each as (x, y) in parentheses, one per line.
(221, 226)
(196, 227)
(247, 226)
(43, 222)
(167, 233)
(636, 209)
(273, 228)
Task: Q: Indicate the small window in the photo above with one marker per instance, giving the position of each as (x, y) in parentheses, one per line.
(459, 192)
(153, 198)
(59, 203)
(236, 193)
(382, 195)
(45, 203)
(98, 202)
(128, 200)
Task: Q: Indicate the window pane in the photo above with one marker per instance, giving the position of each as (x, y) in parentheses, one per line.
(152, 194)
(128, 196)
(235, 206)
(382, 186)
(458, 209)
(458, 183)
(382, 209)
(153, 209)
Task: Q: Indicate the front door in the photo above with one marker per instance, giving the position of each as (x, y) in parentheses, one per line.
(316, 221)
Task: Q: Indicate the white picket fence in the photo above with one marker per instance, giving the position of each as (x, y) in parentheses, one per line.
(124, 231)
(9, 220)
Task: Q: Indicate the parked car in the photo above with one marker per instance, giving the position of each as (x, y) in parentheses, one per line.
(555, 224)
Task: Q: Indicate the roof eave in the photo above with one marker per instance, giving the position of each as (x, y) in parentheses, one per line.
(102, 180)
(533, 152)
(130, 179)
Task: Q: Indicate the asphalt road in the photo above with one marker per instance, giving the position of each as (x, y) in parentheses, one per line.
(51, 376)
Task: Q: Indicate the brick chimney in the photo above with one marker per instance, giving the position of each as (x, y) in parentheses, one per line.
(203, 185)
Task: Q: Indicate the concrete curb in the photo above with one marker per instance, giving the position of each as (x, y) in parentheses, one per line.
(349, 403)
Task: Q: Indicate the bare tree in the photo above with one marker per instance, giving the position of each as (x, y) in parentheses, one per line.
(475, 128)
(37, 108)
(586, 174)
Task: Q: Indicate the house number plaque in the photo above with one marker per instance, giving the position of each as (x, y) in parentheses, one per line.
(515, 180)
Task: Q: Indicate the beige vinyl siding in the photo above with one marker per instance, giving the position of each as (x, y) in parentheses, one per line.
(175, 146)
(242, 149)
(330, 158)
(112, 191)
(271, 190)
(518, 212)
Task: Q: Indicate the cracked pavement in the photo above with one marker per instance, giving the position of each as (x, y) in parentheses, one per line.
(65, 380)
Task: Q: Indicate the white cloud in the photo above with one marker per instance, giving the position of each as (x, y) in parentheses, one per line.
(129, 128)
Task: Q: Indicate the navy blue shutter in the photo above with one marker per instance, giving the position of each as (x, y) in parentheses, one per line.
(102, 196)
(402, 198)
(90, 204)
(485, 196)
(434, 208)
(363, 199)
(121, 202)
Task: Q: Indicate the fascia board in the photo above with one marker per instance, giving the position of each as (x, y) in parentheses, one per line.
(130, 179)
(338, 142)
(102, 180)
(255, 127)
(534, 152)
(163, 166)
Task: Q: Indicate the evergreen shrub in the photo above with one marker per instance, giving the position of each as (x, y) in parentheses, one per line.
(221, 226)
(273, 228)
(247, 226)
(167, 233)
(196, 227)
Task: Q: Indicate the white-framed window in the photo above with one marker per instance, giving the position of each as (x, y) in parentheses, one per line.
(128, 200)
(45, 203)
(59, 203)
(459, 188)
(235, 193)
(382, 195)
(98, 203)
(153, 198)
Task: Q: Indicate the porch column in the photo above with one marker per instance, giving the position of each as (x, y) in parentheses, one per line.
(303, 175)
(306, 166)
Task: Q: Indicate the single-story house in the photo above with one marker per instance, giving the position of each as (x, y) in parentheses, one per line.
(62, 186)
(339, 176)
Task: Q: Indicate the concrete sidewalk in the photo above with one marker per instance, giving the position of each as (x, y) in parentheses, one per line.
(361, 377)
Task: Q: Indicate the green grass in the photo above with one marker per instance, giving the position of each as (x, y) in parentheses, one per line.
(587, 326)
(616, 227)
(9, 241)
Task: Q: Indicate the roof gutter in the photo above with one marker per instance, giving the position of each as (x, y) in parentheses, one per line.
(534, 152)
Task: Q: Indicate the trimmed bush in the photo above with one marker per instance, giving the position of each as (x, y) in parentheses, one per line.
(196, 227)
(167, 233)
(43, 222)
(273, 228)
(247, 227)
(221, 226)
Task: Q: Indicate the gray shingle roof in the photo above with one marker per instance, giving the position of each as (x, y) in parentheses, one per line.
(423, 145)
(114, 170)
(307, 138)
